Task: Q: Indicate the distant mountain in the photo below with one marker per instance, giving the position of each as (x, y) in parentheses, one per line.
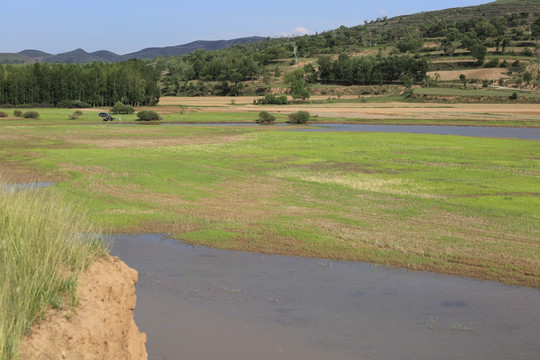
(107, 56)
(34, 54)
(81, 56)
(75, 56)
(151, 53)
(11, 58)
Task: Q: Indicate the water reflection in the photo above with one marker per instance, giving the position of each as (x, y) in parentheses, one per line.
(23, 186)
(197, 302)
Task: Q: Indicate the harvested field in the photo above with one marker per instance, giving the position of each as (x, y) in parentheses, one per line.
(374, 111)
(478, 74)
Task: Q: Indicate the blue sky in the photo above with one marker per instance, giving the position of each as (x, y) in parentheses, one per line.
(57, 26)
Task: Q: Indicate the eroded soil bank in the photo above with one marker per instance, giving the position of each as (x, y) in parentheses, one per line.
(102, 325)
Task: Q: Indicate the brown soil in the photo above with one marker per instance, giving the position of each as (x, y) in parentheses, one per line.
(100, 327)
(373, 111)
(479, 74)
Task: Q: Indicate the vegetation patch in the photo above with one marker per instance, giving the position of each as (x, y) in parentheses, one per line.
(42, 251)
(441, 203)
(148, 115)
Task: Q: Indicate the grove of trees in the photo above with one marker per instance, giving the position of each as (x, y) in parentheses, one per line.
(98, 84)
(371, 70)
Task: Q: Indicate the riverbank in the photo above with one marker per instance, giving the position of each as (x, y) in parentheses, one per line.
(100, 327)
(452, 204)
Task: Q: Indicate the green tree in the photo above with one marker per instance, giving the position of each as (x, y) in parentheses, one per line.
(535, 29)
(297, 84)
(527, 77)
(265, 118)
(410, 42)
(463, 79)
(479, 52)
(299, 117)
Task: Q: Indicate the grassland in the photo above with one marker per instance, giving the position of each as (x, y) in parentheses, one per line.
(41, 253)
(450, 204)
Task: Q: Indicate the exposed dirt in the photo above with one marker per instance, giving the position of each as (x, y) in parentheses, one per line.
(478, 74)
(374, 111)
(100, 327)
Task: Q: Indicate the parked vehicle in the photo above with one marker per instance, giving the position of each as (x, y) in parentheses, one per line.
(106, 116)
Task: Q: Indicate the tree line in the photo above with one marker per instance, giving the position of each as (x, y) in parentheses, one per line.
(367, 70)
(98, 84)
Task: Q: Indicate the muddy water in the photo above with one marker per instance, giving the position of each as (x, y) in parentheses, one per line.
(202, 303)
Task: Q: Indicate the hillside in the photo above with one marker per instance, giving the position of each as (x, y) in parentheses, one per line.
(151, 53)
(10, 58)
(80, 56)
(487, 11)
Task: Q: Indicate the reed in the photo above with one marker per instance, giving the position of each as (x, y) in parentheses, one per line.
(42, 251)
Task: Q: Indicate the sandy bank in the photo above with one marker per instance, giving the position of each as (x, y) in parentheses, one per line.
(102, 325)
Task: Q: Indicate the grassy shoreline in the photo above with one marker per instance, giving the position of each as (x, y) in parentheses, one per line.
(42, 252)
(466, 206)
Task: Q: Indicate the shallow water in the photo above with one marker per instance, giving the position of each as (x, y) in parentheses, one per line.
(203, 303)
(495, 132)
(30, 185)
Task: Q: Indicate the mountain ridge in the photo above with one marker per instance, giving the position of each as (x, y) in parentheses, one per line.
(81, 56)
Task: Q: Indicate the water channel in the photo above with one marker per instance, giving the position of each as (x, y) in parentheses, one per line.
(203, 303)
(479, 131)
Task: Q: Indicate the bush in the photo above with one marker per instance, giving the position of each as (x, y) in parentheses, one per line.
(299, 117)
(78, 113)
(527, 52)
(514, 96)
(273, 100)
(148, 115)
(73, 116)
(73, 104)
(120, 108)
(265, 118)
(31, 115)
(17, 113)
(3, 114)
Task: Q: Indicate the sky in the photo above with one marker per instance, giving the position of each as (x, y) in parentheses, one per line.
(57, 26)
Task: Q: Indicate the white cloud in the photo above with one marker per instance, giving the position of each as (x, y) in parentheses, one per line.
(300, 30)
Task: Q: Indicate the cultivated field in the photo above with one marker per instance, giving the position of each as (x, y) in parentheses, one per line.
(371, 112)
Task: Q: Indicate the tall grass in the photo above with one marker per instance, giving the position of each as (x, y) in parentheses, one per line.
(42, 250)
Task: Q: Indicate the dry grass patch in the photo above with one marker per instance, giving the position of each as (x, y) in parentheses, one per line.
(479, 74)
(360, 182)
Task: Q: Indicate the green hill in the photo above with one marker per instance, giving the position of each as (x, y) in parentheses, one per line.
(487, 11)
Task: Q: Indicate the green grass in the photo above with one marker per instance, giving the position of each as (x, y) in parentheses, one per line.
(42, 250)
(473, 92)
(451, 204)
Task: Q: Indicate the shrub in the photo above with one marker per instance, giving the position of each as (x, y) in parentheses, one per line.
(148, 115)
(73, 116)
(31, 115)
(78, 113)
(120, 108)
(17, 113)
(527, 52)
(299, 117)
(73, 104)
(514, 96)
(265, 118)
(273, 100)
(3, 114)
